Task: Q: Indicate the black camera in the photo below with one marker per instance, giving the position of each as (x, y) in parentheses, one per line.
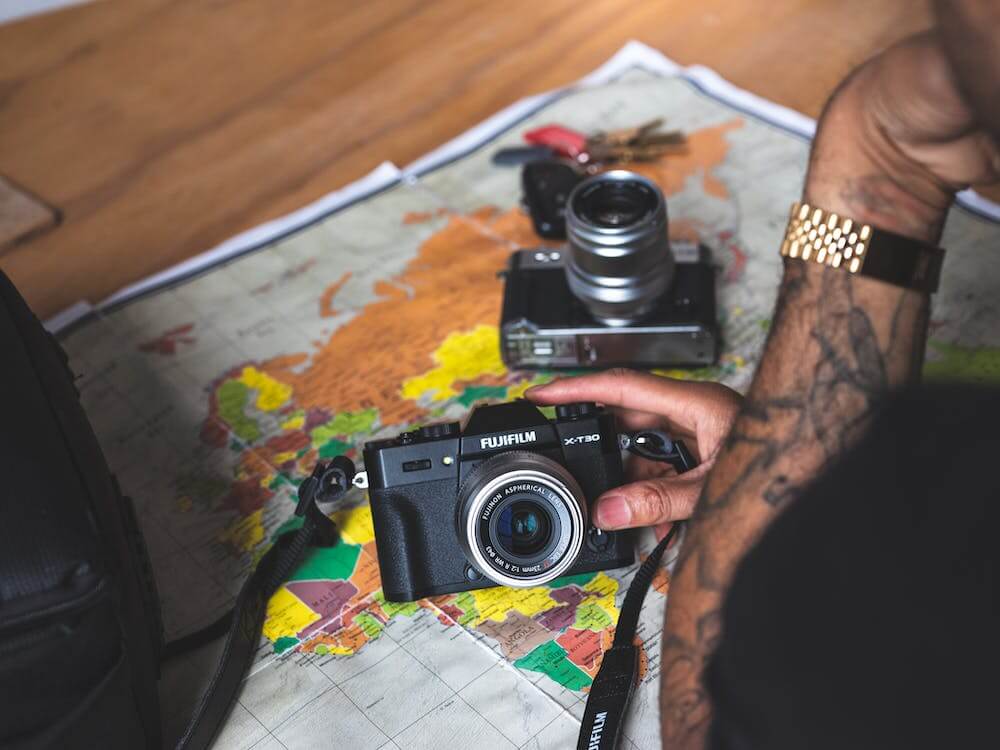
(617, 293)
(506, 501)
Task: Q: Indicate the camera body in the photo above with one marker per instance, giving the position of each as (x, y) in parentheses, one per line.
(506, 501)
(545, 325)
(616, 293)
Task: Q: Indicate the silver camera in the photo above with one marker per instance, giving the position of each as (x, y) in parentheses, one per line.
(617, 293)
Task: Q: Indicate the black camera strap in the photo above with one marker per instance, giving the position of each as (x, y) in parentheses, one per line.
(604, 716)
(609, 694)
(328, 482)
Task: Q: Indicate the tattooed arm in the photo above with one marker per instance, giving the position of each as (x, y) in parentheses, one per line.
(837, 343)
(895, 143)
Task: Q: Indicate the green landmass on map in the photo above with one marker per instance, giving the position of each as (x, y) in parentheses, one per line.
(952, 363)
(334, 563)
(550, 659)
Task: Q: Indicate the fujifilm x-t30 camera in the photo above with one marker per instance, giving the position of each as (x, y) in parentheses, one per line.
(617, 293)
(506, 501)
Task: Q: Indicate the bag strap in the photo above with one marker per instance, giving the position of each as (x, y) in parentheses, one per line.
(604, 715)
(328, 482)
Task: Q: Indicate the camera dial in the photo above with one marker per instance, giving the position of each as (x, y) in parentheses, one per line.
(522, 519)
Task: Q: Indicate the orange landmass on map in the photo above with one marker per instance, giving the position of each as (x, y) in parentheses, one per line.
(349, 639)
(450, 286)
(661, 581)
(365, 577)
(707, 149)
(326, 308)
(417, 217)
(607, 637)
(643, 659)
(167, 343)
(583, 648)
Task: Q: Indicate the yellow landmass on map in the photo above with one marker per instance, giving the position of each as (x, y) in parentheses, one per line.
(462, 357)
(495, 603)
(702, 373)
(286, 615)
(295, 422)
(355, 525)
(517, 389)
(596, 611)
(283, 456)
(245, 533)
(271, 393)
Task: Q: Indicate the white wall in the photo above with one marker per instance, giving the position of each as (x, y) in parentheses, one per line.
(11, 9)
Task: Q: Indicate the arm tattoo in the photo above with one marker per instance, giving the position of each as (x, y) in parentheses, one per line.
(879, 198)
(837, 344)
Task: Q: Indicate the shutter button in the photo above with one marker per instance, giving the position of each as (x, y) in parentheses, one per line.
(576, 411)
(437, 431)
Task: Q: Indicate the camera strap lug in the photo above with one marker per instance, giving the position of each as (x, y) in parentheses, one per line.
(361, 480)
(656, 445)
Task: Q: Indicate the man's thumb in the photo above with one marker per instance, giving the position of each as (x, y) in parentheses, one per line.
(647, 503)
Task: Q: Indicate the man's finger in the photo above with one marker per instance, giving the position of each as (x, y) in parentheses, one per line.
(629, 419)
(647, 503)
(681, 402)
(661, 530)
(637, 469)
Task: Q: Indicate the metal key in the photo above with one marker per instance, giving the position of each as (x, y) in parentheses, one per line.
(625, 136)
(639, 143)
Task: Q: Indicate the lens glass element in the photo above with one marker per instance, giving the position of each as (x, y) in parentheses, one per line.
(524, 528)
(522, 518)
(616, 204)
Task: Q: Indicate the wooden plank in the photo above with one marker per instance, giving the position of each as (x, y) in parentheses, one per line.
(161, 128)
(22, 216)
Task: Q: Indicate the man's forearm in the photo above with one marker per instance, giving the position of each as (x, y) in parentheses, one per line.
(837, 344)
(895, 143)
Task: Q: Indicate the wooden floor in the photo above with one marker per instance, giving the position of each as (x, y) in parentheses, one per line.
(159, 127)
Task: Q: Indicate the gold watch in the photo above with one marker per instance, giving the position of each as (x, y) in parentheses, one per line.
(828, 239)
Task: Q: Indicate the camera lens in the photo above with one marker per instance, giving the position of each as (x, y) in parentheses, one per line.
(524, 528)
(522, 519)
(619, 261)
(616, 203)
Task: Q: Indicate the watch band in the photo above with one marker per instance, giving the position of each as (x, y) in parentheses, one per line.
(826, 238)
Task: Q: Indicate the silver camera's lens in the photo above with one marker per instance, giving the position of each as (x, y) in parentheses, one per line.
(619, 261)
(522, 519)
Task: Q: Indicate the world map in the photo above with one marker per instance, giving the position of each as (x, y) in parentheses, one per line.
(214, 396)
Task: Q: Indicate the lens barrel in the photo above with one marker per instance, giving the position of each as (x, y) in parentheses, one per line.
(522, 519)
(620, 261)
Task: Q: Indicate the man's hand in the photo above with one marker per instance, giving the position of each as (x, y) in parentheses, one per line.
(897, 141)
(699, 413)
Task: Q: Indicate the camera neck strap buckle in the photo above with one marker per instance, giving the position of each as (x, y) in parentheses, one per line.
(656, 445)
(327, 483)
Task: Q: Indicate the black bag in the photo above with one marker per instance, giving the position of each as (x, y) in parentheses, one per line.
(81, 638)
(80, 630)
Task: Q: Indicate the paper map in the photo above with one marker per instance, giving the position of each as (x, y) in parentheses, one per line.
(216, 386)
